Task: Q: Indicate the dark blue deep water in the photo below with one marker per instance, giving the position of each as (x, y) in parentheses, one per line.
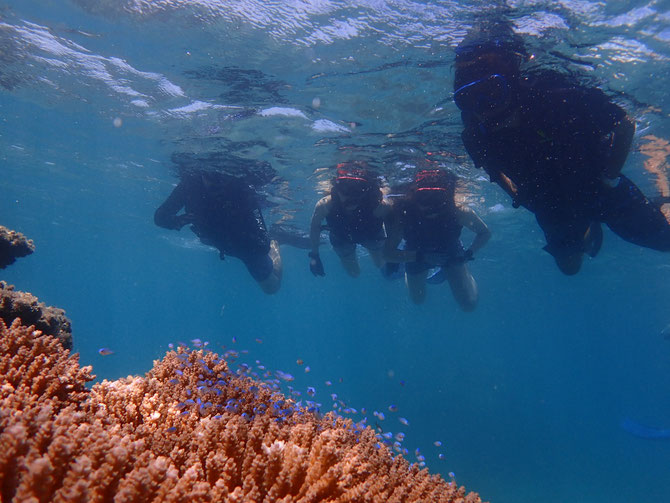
(527, 394)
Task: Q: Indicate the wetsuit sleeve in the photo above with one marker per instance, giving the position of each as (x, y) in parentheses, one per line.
(608, 126)
(476, 149)
(166, 214)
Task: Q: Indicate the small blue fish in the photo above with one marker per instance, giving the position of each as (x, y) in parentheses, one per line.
(403, 421)
(105, 351)
(284, 375)
(393, 408)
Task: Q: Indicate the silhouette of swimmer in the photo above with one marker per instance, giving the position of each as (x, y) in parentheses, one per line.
(555, 146)
(224, 212)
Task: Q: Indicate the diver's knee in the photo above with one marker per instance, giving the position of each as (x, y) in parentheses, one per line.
(569, 265)
(417, 299)
(271, 285)
(417, 296)
(468, 304)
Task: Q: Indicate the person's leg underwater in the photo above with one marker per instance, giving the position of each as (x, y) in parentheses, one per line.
(273, 282)
(266, 269)
(568, 231)
(376, 250)
(633, 217)
(463, 286)
(416, 284)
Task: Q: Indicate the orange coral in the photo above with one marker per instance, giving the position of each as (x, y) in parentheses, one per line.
(191, 430)
(657, 150)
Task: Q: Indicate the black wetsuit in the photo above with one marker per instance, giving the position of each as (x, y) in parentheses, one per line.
(556, 155)
(225, 214)
(357, 226)
(439, 235)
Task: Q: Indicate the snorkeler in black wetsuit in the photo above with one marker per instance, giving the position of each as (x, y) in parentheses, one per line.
(355, 211)
(430, 221)
(224, 212)
(555, 146)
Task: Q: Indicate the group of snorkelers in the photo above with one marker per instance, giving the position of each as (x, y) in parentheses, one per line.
(554, 145)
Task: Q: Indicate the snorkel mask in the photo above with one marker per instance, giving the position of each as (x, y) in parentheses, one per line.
(434, 188)
(483, 95)
(353, 184)
(488, 64)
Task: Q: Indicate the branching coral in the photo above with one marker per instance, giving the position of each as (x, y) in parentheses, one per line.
(24, 305)
(191, 430)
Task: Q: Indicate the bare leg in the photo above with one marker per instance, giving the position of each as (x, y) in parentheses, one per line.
(416, 286)
(463, 286)
(349, 261)
(272, 283)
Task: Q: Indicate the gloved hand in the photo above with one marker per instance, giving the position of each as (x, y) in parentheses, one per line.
(315, 264)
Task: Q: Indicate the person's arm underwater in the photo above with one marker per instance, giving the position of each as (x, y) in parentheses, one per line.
(166, 214)
(477, 152)
(320, 211)
(506, 184)
(469, 219)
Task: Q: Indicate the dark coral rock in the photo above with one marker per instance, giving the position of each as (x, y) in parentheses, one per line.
(12, 246)
(49, 320)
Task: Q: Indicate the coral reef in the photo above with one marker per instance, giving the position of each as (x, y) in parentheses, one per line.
(190, 430)
(48, 320)
(13, 245)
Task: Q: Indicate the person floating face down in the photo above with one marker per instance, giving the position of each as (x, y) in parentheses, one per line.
(223, 211)
(430, 221)
(554, 145)
(355, 211)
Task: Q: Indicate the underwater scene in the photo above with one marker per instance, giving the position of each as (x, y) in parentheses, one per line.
(286, 183)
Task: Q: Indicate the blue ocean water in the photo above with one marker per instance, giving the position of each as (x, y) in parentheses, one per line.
(534, 396)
